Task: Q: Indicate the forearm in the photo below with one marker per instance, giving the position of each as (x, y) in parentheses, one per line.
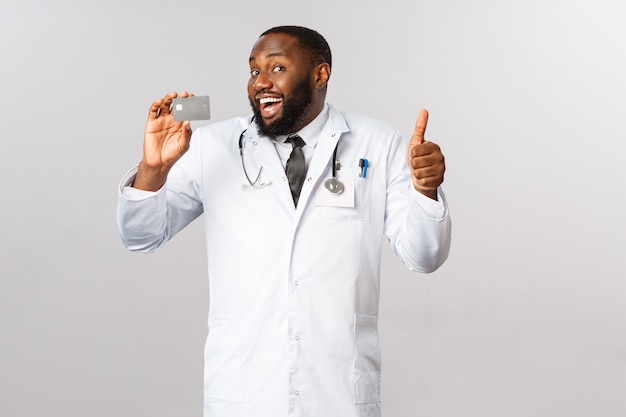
(423, 241)
(148, 219)
(141, 216)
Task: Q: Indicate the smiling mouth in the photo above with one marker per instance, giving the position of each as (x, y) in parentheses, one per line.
(270, 106)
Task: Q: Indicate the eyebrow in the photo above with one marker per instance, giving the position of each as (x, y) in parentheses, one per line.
(270, 55)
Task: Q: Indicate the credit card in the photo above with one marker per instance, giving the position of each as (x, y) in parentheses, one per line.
(191, 108)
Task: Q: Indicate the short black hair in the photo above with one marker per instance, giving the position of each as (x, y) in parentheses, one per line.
(308, 39)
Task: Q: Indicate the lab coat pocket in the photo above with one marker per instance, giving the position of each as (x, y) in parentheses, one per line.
(222, 360)
(366, 359)
(361, 195)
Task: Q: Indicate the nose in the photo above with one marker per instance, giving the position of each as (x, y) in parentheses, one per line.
(262, 82)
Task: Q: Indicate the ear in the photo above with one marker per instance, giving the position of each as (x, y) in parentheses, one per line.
(321, 75)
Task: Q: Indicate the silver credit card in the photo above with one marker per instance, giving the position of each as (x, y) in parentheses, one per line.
(191, 108)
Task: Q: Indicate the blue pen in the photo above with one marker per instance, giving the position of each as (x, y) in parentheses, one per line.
(365, 165)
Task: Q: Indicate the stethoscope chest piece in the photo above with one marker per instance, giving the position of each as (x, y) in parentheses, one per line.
(334, 185)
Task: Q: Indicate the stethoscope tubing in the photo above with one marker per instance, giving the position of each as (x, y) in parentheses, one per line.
(332, 184)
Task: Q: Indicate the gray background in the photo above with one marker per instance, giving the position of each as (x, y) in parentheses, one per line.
(526, 98)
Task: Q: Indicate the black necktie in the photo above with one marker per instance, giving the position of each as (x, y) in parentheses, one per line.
(295, 168)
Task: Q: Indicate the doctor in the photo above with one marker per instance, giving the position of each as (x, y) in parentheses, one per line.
(294, 279)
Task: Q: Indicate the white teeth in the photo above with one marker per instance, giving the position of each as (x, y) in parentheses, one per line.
(269, 100)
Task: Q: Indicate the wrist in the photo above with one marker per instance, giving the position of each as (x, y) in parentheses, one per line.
(432, 194)
(150, 178)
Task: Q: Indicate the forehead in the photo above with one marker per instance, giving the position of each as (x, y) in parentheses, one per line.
(276, 44)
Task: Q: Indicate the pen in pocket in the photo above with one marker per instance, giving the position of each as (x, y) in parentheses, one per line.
(363, 164)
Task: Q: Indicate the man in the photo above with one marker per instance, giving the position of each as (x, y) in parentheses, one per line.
(294, 278)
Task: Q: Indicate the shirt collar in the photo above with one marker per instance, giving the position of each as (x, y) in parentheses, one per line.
(311, 132)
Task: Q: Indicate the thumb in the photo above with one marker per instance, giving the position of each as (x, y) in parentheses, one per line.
(420, 128)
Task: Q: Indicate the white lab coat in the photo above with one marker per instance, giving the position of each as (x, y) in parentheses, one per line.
(293, 292)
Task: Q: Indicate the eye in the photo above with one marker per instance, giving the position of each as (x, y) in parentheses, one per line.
(254, 72)
(278, 68)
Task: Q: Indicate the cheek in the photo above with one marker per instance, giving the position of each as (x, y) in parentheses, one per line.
(284, 82)
(251, 90)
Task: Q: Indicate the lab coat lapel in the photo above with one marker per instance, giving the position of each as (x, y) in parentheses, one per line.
(265, 154)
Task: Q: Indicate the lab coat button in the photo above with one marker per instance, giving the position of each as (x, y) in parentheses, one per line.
(295, 283)
(297, 392)
(296, 338)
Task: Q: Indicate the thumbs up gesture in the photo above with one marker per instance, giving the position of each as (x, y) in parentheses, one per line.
(425, 159)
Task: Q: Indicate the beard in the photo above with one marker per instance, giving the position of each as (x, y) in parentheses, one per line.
(295, 108)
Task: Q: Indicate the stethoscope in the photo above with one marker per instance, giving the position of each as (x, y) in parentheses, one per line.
(333, 185)
(253, 184)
